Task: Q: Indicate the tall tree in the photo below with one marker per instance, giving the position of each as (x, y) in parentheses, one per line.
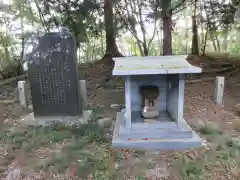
(167, 27)
(111, 46)
(219, 17)
(195, 48)
(165, 9)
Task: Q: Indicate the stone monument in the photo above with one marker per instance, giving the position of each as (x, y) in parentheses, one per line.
(154, 103)
(53, 78)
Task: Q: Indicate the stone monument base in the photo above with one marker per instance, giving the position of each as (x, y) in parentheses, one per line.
(67, 120)
(166, 137)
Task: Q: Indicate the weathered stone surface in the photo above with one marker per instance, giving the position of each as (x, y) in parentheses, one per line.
(53, 75)
(30, 120)
(153, 65)
(150, 114)
(157, 173)
(115, 106)
(6, 101)
(105, 122)
(22, 93)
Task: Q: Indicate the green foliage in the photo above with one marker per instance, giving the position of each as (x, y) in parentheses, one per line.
(5, 48)
(8, 60)
(34, 137)
(78, 16)
(223, 155)
(87, 149)
(103, 175)
(141, 178)
(210, 131)
(92, 50)
(86, 146)
(85, 19)
(23, 9)
(220, 14)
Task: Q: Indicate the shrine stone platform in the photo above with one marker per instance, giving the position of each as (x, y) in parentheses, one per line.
(164, 136)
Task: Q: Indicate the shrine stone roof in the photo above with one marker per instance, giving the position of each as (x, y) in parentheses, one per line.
(138, 65)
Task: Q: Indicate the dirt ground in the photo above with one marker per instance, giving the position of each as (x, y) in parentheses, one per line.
(105, 90)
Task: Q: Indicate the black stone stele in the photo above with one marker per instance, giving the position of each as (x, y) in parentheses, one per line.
(53, 76)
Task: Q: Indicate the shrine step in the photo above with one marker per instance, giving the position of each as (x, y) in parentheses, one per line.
(126, 134)
(154, 139)
(158, 144)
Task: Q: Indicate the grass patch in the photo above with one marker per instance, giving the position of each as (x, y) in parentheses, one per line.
(224, 156)
(139, 153)
(141, 178)
(98, 110)
(88, 149)
(89, 157)
(5, 162)
(87, 146)
(34, 137)
(209, 131)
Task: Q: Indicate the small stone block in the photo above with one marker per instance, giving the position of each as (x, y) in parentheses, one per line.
(219, 90)
(83, 92)
(105, 122)
(22, 93)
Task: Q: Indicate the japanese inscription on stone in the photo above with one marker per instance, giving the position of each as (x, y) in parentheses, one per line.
(52, 73)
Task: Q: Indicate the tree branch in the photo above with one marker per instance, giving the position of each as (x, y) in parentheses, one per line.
(191, 3)
(141, 23)
(41, 15)
(131, 29)
(154, 32)
(178, 5)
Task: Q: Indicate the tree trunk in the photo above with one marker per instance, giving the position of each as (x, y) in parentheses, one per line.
(167, 27)
(203, 35)
(144, 44)
(41, 16)
(20, 63)
(186, 33)
(101, 42)
(225, 43)
(213, 41)
(20, 60)
(214, 30)
(218, 43)
(205, 43)
(145, 49)
(111, 46)
(140, 47)
(159, 41)
(195, 48)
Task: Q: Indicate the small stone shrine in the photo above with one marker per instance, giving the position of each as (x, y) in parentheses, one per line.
(154, 103)
(53, 78)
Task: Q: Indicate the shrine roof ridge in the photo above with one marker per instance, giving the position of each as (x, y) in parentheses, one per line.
(139, 65)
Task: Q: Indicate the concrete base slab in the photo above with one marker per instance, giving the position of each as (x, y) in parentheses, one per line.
(30, 120)
(158, 144)
(154, 141)
(163, 130)
(155, 133)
